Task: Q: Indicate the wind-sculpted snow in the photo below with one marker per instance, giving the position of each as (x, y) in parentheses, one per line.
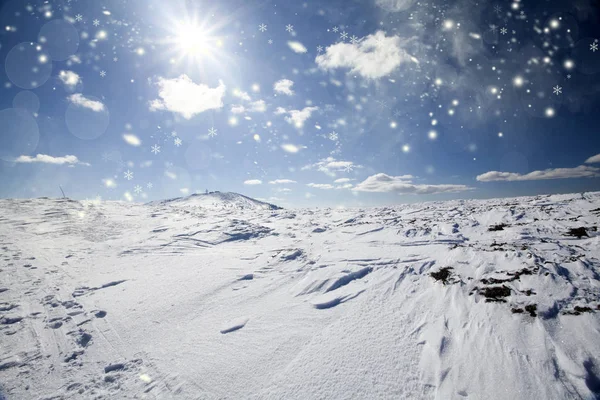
(217, 296)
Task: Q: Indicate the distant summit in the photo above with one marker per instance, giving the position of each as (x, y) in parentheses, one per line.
(219, 200)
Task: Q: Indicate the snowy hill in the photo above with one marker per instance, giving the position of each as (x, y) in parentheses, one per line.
(218, 200)
(487, 299)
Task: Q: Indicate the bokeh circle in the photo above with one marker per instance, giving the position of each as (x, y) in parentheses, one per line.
(19, 134)
(27, 100)
(87, 117)
(28, 65)
(60, 38)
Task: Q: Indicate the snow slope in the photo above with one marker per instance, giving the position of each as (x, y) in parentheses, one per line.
(218, 200)
(494, 299)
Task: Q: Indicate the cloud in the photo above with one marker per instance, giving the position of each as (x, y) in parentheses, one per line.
(297, 47)
(46, 159)
(242, 95)
(395, 5)
(553, 173)
(330, 166)
(183, 96)
(132, 139)
(593, 160)
(343, 180)
(253, 182)
(69, 78)
(323, 186)
(382, 183)
(284, 86)
(254, 107)
(281, 181)
(81, 101)
(296, 117)
(373, 57)
(291, 148)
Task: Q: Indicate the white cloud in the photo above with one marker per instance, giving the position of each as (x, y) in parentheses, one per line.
(254, 107)
(297, 47)
(395, 5)
(553, 173)
(330, 166)
(46, 159)
(281, 181)
(296, 117)
(69, 78)
(242, 95)
(346, 186)
(383, 183)
(291, 148)
(373, 57)
(253, 182)
(343, 180)
(284, 86)
(593, 160)
(80, 100)
(132, 139)
(183, 96)
(323, 186)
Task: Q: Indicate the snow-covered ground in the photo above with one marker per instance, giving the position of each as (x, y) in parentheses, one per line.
(220, 297)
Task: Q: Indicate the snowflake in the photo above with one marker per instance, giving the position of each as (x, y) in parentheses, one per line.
(319, 49)
(493, 28)
(78, 17)
(504, 31)
(102, 74)
(106, 157)
(155, 149)
(381, 104)
(96, 22)
(335, 29)
(343, 35)
(149, 185)
(569, 76)
(212, 132)
(115, 59)
(174, 134)
(270, 41)
(557, 90)
(177, 142)
(354, 39)
(594, 47)
(348, 168)
(128, 175)
(289, 28)
(262, 28)
(397, 113)
(497, 9)
(333, 136)
(137, 189)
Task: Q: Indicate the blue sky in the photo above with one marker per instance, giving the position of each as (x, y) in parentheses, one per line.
(316, 103)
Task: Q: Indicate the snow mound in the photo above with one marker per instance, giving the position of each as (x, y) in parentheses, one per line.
(218, 200)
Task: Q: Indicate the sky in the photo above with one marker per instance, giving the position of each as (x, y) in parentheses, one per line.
(316, 103)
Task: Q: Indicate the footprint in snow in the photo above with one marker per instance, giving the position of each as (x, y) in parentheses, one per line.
(234, 325)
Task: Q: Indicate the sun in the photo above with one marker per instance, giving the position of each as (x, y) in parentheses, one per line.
(195, 41)
(192, 43)
(192, 40)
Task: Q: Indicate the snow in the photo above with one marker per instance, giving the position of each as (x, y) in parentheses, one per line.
(221, 296)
